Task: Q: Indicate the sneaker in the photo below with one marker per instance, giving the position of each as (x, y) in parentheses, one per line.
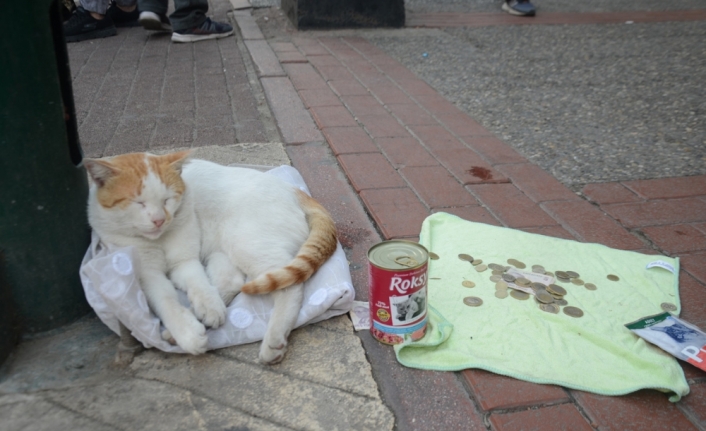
(121, 18)
(154, 21)
(208, 30)
(82, 26)
(519, 7)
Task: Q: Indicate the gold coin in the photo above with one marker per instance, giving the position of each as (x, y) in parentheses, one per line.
(522, 281)
(538, 269)
(502, 294)
(473, 301)
(466, 257)
(573, 311)
(501, 285)
(495, 278)
(557, 290)
(556, 297)
(481, 267)
(564, 280)
(668, 306)
(495, 272)
(433, 256)
(538, 286)
(544, 297)
(562, 274)
(518, 294)
(577, 281)
(476, 262)
(496, 267)
(612, 277)
(516, 263)
(467, 283)
(590, 286)
(508, 277)
(572, 274)
(561, 302)
(551, 274)
(549, 308)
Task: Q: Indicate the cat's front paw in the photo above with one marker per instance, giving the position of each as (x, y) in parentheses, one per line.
(209, 308)
(191, 337)
(272, 355)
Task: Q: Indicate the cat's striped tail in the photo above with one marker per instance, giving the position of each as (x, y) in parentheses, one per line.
(317, 248)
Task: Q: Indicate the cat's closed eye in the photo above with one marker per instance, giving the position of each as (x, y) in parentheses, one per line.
(140, 203)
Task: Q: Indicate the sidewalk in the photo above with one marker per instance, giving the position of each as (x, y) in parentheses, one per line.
(382, 149)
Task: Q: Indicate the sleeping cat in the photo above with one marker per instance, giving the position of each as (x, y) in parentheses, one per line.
(202, 227)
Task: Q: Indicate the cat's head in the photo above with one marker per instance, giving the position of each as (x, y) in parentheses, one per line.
(136, 194)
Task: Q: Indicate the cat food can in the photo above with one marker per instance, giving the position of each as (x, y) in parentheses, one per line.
(397, 274)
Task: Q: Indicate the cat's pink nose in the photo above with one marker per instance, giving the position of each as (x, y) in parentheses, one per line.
(159, 222)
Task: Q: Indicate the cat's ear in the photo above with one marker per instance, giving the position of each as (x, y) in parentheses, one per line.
(100, 170)
(177, 160)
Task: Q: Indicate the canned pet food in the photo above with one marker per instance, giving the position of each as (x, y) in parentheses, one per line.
(398, 291)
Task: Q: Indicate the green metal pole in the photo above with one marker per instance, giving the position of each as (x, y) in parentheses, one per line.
(43, 228)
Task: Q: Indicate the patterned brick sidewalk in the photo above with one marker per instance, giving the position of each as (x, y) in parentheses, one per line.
(407, 153)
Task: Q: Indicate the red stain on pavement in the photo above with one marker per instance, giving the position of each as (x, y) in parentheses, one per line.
(481, 173)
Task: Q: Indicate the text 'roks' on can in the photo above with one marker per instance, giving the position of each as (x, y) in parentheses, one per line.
(397, 274)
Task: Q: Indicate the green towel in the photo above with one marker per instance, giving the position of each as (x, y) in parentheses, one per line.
(594, 353)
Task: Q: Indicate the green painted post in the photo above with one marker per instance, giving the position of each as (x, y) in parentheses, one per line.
(43, 228)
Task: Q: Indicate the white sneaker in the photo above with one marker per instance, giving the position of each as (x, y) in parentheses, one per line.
(153, 21)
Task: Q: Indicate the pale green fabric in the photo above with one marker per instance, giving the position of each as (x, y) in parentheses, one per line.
(594, 353)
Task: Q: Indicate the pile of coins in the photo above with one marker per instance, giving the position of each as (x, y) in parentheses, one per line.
(549, 297)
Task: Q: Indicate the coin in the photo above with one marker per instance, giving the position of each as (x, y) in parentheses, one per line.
(572, 274)
(495, 272)
(556, 297)
(551, 274)
(562, 274)
(538, 286)
(518, 294)
(590, 286)
(555, 289)
(495, 278)
(668, 306)
(561, 302)
(516, 263)
(476, 262)
(467, 283)
(564, 280)
(544, 297)
(433, 256)
(508, 277)
(577, 281)
(501, 285)
(573, 311)
(612, 277)
(522, 281)
(481, 267)
(496, 267)
(472, 301)
(502, 294)
(549, 308)
(539, 269)
(466, 257)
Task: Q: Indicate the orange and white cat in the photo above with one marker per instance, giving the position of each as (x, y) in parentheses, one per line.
(202, 228)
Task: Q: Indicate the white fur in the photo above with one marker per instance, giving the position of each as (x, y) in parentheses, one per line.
(229, 222)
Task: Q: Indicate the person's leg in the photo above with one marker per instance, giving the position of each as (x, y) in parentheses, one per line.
(124, 13)
(153, 15)
(89, 21)
(188, 14)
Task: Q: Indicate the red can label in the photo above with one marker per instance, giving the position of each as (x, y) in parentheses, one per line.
(398, 302)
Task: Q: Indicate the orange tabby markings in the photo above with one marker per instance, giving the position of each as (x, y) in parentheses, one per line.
(318, 247)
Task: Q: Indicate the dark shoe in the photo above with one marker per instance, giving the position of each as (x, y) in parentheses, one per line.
(519, 7)
(208, 30)
(154, 21)
(82, 26)
(121, 18)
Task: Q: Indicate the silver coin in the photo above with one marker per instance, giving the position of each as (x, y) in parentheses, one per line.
(572, 274)
(495, 278)
(481, 267)
(573, 311)
(508, 277)
(473, 301)
(590, 286)
(466, 257)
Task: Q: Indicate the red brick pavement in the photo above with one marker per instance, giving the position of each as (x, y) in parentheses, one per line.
(408, 152)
